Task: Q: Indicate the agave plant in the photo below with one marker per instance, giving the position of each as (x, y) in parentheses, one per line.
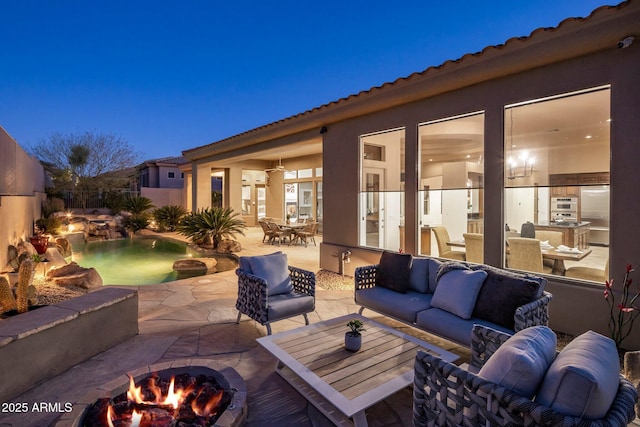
(169, 216)
(209, 226)
(137, 205)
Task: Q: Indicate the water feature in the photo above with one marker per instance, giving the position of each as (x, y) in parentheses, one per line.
(137, 261)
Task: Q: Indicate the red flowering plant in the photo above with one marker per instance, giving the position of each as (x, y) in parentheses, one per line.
(623, 314)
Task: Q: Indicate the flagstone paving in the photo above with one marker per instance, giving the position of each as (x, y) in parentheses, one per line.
(195, 318)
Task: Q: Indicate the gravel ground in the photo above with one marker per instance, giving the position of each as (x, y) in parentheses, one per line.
(333, 281)
(48, 293)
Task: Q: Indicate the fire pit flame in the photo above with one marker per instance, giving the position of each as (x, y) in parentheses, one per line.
(153, 402)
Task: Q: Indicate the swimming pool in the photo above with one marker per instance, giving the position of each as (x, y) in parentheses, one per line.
(137, 261)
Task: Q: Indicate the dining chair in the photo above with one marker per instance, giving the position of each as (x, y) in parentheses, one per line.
(307, 233)
(278, 233)
(444, 251)
(589, 273)
(474, 245)
(266, 230)
(525, 254)
(555, 239)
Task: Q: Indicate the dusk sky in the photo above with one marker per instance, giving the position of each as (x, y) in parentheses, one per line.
(173, 75)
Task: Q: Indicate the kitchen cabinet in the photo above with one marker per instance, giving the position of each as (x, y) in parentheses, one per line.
(564, 185)
(425, 240)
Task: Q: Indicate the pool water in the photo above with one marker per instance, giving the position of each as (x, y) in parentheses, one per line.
(138, 261)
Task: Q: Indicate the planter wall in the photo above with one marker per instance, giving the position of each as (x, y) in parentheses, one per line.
(40, 344)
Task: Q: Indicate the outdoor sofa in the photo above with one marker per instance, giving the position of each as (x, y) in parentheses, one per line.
(521, 380)
(448, 298)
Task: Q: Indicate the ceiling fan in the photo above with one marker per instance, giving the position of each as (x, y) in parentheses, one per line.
(278, 168)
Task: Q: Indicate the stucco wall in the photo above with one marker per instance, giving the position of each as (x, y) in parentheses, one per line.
(21, 193)
(572, 300)
(163, 196)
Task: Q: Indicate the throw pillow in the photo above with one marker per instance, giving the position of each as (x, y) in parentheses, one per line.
(583, 379)
(419, 275)
(434, 267)
(393, 271)
(501, 294)
(274, 269)
(457, 291)
(521, 362)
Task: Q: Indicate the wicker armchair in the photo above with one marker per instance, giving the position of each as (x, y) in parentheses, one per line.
(255, 302)
(446, 395)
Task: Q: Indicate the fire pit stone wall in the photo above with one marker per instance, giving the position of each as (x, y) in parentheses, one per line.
(43, 343)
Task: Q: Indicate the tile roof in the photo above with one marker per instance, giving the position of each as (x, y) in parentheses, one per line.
(511, 44)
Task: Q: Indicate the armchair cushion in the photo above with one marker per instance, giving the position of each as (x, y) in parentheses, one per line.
(521, 362)
(273, 268)
(501, 294)
(287, 305)
(457, 291)
(583, 379)
(394, 271)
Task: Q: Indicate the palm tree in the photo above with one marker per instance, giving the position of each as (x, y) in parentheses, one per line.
(211, 226)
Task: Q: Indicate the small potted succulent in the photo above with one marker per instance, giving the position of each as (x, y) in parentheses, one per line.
(353, 338)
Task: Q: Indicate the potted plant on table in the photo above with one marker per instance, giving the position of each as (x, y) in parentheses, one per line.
(353, 338)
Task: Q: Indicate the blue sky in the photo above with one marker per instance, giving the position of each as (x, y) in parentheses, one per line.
(173, 75)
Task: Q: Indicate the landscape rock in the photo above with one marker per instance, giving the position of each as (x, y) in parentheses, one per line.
(228, 246)
(64, 246)
(207, 265)
(73, 275)
(632, 371)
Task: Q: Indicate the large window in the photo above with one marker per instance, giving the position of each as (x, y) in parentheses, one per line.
(451, 185)
(557, 156)
(381, 209)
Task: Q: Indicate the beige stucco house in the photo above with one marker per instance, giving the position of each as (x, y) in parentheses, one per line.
(538, 129)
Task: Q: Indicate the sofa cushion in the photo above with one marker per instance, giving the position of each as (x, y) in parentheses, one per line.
(274, 269)
(457, 291)
(452, 327)
(393, 271)
(521, 362)
(501, 294)
(583, 379)
(419, 275)
(287, 305)
(434, 266)
(401, 306)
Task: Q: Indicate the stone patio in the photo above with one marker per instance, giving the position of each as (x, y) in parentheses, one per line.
(195, 318)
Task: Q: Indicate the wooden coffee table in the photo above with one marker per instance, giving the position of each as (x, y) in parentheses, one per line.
(313, 360)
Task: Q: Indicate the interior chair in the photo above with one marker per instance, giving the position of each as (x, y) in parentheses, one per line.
(553, 237)
(444, 251)
(270, 290)
(278, 233)
(525, 254)
(589, 273)
(265, 229)
(307, 233)
(474, 245)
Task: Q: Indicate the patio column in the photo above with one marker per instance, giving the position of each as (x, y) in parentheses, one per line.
(233, 189)
(201, 186)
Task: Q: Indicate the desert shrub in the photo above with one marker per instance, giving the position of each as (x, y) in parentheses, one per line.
(52, 205)
(115, 201)
(136, 222)
(209, 226)
(137, 204)
(49, 225)
(169, 216)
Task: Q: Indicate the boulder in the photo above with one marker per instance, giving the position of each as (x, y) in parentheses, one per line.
(632, 371)
(54, 258)
(228, 246)
(72, 274)
(64, 246)
(206, 265)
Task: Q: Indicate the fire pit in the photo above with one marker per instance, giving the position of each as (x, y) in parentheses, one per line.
(169, 396)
